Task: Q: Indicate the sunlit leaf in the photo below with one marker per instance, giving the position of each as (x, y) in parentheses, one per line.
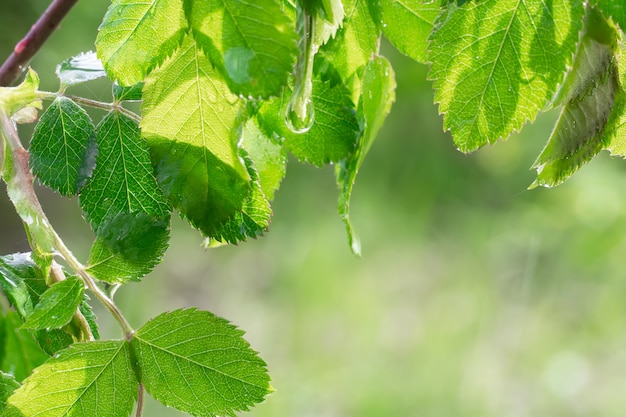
(132, 93)
(505, 68)
(135, 37)
(253, 43)
(85, 380)
(191, 128)
(62, 149)
(79, 69)
(199, 363)
(378, 95)
(407, 24)
(615, 9)
(13, 99)
(589, 95)
(57, 305)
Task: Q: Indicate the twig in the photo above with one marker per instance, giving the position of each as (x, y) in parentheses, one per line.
(34, 39)
(140, 395)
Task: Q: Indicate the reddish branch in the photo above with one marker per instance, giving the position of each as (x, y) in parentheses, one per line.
(25, 49)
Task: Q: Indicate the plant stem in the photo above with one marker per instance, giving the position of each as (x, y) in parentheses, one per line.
(37, 35)
(91, 103)
(23, 178)
(140, 395)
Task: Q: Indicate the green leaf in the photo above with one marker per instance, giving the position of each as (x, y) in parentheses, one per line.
(255, 214)
(333, 134)
(57, 305)
(354, 45)
(589, 94)
(135, 37)
(379, 87)
(506, 69)
(85, 380)
(199, 363)
(8, 384)
(79, 69)
(62, 149)
(268, 157)
(614, 9)
(328, 18)
(123, 180)
(253, 43)
(191, 128)
(132, 93)
(407, 25)
(21, 353)
(128, 246)
(124, 204)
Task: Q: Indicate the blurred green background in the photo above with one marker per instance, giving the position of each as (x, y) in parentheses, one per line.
(474, 297)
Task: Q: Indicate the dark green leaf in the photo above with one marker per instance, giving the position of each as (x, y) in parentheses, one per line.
(589, 95)
(79, 69)
(378, 95)
(132, 93)
(21, 353)
(62, 150)
(123, 180)
(8, 384)
(407, 24)
(124, 204)
(199, 363)
(333, 134)
(135, 37)
(191, 128)
(128, 246)
(506, 68)
(85, 380)
(57, 305)
(255, 214)
(253, 43)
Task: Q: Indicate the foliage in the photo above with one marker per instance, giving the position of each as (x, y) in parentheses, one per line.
(227, 88)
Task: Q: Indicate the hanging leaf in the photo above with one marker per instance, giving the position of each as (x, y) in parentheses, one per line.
(85, 380)
(379, 87)
(191, 128)
(588, 95)
(506, 69)
(62, 150)
(199, 363)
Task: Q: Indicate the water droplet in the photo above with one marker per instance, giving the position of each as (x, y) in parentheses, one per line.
(300, 119)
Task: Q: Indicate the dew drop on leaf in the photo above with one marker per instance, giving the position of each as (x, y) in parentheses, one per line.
(300, 118)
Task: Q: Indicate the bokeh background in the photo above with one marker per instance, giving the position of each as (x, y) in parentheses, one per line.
(474, 296)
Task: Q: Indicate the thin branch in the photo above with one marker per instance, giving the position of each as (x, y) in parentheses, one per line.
(28, 198)
(25, 49)
(140, 395)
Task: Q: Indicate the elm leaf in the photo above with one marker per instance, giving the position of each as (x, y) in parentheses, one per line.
(199, 363)
(84, 380)
(62, 149)
(79, 69)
